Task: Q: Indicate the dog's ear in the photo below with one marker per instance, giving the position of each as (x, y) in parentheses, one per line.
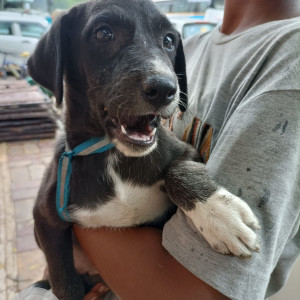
(181, 74)
(46, 65)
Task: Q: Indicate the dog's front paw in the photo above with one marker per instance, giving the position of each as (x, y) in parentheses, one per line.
(227, 223)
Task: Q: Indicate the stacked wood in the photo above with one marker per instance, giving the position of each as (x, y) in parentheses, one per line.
(25, 112)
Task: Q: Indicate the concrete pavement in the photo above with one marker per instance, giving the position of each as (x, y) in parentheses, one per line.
(21, 168)
(21, 262)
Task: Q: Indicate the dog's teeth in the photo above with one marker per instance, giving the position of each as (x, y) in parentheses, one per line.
(152, 132)
(137, 137)
(123, 129)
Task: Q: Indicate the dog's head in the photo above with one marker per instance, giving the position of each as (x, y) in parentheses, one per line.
(122, 66)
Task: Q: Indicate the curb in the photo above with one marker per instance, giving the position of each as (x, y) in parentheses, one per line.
(8, 253)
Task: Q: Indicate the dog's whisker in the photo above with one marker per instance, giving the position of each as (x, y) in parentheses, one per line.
(124, 112)
(123, 104)
(94, 88)
(180, 76)
(183, 93)
(118, 110)
(185, 105)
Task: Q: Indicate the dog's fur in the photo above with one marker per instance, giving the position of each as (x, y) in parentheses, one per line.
(117, 61)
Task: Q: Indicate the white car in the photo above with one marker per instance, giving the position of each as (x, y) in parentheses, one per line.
(189, 24)
(19, 33)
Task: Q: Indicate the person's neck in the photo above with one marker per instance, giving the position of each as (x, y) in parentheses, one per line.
(240, 15)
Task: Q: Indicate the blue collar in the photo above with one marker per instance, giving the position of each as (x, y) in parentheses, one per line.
(92, 146)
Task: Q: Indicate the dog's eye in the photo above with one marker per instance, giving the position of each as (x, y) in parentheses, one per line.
(105, 34)
(169, 42)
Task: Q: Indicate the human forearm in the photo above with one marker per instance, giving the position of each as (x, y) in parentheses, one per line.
(136, 266)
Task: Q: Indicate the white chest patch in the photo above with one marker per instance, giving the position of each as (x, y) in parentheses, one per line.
(132, 205)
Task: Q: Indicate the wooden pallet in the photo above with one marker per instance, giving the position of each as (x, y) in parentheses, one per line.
(25, 112)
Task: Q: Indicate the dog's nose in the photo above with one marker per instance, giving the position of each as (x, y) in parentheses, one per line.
(159, 90)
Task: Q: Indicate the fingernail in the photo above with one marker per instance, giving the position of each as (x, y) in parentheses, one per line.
(102, 288)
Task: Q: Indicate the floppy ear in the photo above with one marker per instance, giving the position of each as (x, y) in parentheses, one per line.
(182, 79)
(46, 65)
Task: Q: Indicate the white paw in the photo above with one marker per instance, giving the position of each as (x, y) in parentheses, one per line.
(227, 223)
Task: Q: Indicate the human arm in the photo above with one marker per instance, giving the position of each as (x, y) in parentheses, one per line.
(257, 158)
(254, 158)
(136, 266)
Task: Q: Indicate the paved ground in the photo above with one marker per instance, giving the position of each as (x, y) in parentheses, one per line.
(21, 168)
(21, 262)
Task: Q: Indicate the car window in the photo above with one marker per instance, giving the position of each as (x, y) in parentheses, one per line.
(194, 28)
(5, 28)
(32, 30)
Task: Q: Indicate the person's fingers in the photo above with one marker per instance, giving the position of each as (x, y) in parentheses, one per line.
(91, 296)
(96, 292)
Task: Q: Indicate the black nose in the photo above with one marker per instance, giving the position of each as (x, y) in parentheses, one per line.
(159, 90)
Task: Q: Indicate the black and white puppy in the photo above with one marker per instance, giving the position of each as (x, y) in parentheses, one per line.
(121, 66)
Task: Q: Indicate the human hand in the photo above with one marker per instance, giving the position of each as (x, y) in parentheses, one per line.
(96, 292)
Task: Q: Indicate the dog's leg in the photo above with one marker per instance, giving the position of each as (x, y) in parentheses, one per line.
(224, 219)
(56, 242)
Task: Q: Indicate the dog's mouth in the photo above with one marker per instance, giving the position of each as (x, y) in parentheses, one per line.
(138, 130)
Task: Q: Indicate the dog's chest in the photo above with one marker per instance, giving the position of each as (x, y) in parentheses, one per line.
(131, 205)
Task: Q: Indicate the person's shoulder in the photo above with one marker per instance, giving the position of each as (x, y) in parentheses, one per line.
(283, 30)
(278, 52)
(198, 37)
(196, 41)
(290, 24)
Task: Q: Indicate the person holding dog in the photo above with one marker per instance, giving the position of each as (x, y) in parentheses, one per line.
(244, 84)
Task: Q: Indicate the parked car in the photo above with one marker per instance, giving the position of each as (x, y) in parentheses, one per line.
(19, 33)
(189, 24)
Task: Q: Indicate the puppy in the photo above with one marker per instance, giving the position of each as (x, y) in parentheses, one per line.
(120, 67)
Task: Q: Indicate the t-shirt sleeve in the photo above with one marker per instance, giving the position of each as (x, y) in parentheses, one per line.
(256, 157)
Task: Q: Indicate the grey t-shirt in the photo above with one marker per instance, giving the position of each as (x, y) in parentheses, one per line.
(244, 118)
